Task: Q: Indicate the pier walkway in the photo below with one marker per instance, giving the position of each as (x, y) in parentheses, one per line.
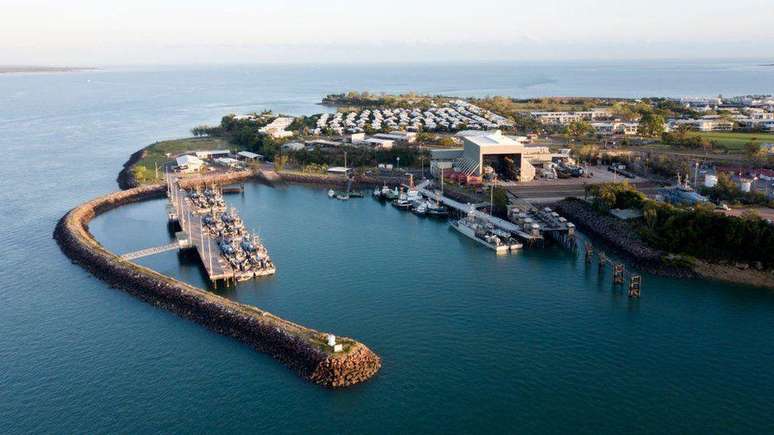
(190, 220)
(471, 209)
(151, 251)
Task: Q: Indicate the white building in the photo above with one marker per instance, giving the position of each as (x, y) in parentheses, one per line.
(248, 156)
(616, 127)
(703, 124)
(228, 162)
(564, 118)
(479, 149)
(339, 170)
(211, 154)
(376, 142)
(276, 128)
(406, 137)
(187, 163)
(293, 146)
(357, 138)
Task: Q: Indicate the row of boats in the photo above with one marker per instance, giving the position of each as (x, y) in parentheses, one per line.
(242, 250)
(472, 226)
(207, 199)
(412, 200)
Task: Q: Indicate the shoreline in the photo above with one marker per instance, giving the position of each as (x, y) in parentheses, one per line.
(613, 234)
(606, 229)
(303, 350)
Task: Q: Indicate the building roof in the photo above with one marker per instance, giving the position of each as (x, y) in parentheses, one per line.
(209, 153)
(187, 160)
(249, 155)
(390, 136)
(492, 139)
(379, 140)
(323, 142)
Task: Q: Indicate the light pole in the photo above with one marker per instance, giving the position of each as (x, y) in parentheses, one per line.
(695, 174)
(397, 165)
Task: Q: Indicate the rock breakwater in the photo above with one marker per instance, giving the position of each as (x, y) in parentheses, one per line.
(302, 349)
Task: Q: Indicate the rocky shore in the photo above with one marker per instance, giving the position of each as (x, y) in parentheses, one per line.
(126, 178)
(618, 235)
(302, 349)
(359, 181)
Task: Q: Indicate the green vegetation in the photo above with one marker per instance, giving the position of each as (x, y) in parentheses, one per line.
(159, 153)
(576, 130)
(244, 134)
(652, 124)
(683, 137)
(731, 142)
(437, 140)
(608, 196)
(696, 231)
(358, 157)
(354, 99)
(735, 141)
(703, 233)
(304, 124)
(500, 199)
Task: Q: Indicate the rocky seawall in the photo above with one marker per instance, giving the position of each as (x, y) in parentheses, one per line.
(618, 235)
(623, 240)
(359, 181)
(302, 349)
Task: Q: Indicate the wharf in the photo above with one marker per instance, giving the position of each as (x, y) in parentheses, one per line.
(472, 211)
(190, 217)
(548, 222)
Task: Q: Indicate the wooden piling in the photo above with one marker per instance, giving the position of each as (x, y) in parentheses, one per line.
(634, 286)
(618, 274)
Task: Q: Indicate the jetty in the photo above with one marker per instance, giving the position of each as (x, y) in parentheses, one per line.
(530, 223)
(201, 221)
(227, 251)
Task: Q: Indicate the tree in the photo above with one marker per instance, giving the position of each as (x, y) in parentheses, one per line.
(753, 149)
(500, 199)
(578, 129)
(725, 189)
(651, 125)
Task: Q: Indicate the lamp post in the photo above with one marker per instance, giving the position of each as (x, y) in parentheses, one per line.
(695, 174)
(397, 165)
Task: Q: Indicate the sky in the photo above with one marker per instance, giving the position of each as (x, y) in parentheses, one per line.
(118, 32)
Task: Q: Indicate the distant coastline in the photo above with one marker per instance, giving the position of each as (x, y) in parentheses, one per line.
(41, 69)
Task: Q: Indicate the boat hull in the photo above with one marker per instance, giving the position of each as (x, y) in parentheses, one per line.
(467, 231)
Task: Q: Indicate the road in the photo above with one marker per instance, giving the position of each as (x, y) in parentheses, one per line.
(565, 190)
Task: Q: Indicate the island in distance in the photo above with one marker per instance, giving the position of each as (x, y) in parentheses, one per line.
(16, 69)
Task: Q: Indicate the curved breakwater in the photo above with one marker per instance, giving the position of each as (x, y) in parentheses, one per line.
(302, 349)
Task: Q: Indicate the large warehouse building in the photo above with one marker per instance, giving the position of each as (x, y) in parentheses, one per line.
(485, 152)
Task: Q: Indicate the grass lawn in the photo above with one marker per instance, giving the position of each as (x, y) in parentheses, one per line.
(156, 154)
(735, 141)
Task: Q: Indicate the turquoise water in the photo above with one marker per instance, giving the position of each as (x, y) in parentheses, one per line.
(532, 342)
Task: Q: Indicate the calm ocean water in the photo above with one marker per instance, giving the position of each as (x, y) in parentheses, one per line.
(533, 342)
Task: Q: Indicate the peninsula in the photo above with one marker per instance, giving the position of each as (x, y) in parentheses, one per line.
(18, 69)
